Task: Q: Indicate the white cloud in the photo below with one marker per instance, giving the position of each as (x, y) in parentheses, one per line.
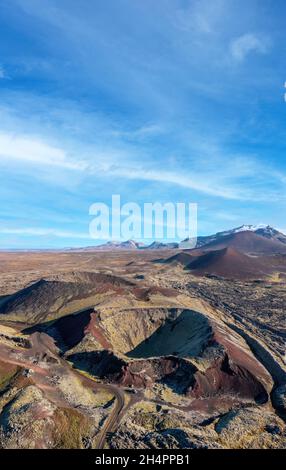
(209, 169)
(35, 231)
(201, 183)
(2, 73)
(228, 184)
(247, 43)
(36, 151)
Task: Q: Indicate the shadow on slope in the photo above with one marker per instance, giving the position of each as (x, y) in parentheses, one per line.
(185, 336)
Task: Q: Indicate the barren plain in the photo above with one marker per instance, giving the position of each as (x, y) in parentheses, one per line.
(145, 349)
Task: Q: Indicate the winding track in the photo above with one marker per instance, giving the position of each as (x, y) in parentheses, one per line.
(112, 420)
(114, 416)
(40, 342)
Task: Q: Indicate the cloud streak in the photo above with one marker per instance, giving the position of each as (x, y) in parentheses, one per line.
(186, 106)
(43, 232)
(220, 179)
(36, 151)
(248, 43)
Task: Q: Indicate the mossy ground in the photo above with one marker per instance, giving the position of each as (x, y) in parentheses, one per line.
(7, 373)
(71, 428)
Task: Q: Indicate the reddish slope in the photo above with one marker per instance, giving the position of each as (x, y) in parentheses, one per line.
(229, 263)
(183, 258)
(226, 364)
(248, 242)
(47, 297)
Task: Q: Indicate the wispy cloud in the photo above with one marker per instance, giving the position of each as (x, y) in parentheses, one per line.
(36, 151)
(43, 232)
(248, 43)
(208, 171)
(201, 183)
(166, 111)
(244, 186)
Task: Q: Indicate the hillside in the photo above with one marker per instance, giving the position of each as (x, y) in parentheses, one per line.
(60, 295)
(230, 264)
(247, 242)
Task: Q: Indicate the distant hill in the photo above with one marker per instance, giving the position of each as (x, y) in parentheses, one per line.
(112, 246)
(229, 263)
(161, 246)
(127, 245)
(263, 230)
(247, 242)
(182, 258)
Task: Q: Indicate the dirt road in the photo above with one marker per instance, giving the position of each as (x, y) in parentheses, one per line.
(113, 418)
(42, 343)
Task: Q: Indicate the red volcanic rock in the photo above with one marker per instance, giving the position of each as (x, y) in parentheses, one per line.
(94, 328)
(70, 330)
(192, 352)
(132, 379)
(223, 377)
(144, 293)
(148, 371)
(237, 371)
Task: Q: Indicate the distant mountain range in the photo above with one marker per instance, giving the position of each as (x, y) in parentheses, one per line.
(128, 245)
(246, 238)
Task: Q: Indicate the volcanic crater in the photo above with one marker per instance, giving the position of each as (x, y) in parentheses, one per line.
(186, 349)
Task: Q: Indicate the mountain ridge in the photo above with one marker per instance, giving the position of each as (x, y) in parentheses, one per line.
(261, 230)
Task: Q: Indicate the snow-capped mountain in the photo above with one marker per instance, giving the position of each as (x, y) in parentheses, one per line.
(245, 228)
(263, 230)
(271, 233)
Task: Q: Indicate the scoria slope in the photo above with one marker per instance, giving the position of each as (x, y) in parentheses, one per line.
(229, 263)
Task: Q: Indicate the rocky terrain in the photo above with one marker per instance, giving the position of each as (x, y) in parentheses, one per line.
(160, 348)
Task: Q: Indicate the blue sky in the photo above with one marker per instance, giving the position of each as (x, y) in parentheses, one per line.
(173, 100)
